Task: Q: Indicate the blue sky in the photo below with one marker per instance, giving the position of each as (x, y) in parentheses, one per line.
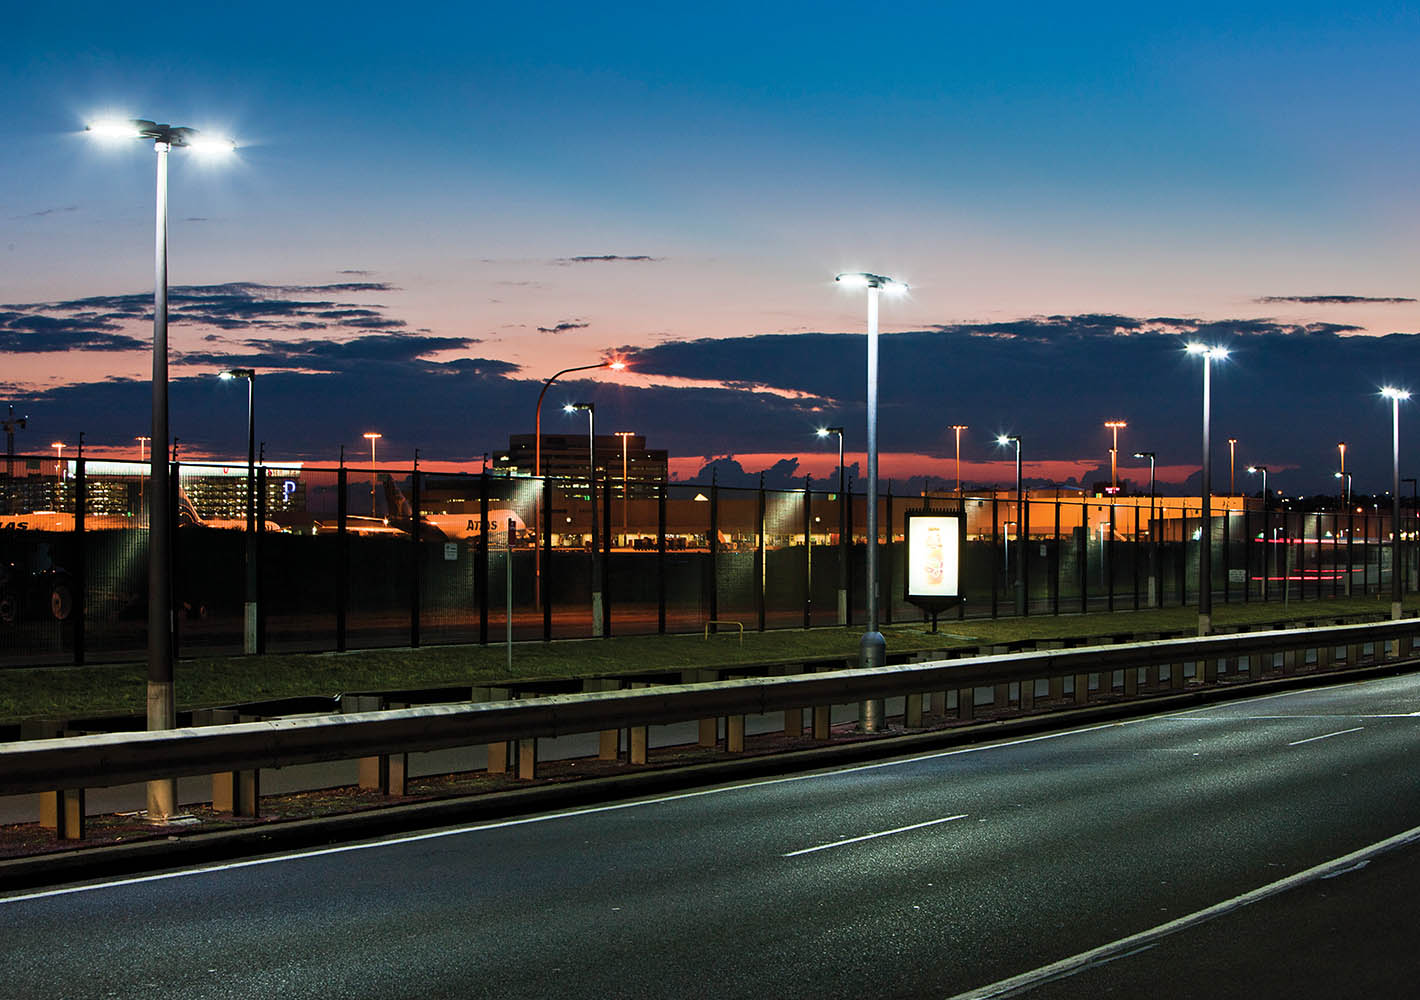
(1208, 163)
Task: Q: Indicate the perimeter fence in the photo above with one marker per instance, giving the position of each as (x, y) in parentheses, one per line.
(352, 559)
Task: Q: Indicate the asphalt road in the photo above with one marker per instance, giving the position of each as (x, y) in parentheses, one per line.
(1073, 864)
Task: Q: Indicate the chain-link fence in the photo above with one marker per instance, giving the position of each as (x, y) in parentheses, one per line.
(350, 559)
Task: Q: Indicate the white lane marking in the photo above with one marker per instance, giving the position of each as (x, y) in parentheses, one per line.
(873, 836)
(456, 831)
(524, 820)
(1313, 739)
(1122, 946)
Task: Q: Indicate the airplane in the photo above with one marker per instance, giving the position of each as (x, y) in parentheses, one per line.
(53, 520)
(188, 517)
(453, 527)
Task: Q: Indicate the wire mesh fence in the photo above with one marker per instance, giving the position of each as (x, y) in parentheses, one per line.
(349, 559)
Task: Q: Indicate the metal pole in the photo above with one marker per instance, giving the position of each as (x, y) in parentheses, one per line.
(249, 642)
(843, 548)
(1205, 552)
(1020, 584)
(872, 647)
(1395, 592)
(162, 707)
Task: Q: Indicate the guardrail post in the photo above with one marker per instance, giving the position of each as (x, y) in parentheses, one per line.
(498, 751)
(1027, 697)
(1131, 681)
(966, 703)
(1082, 689)
(527, 759)
(609, 742)
(912, 712)
(822, 721)
(235, 792)
(63, 812)
(1325, 657)
(735, 734)
(638, 741)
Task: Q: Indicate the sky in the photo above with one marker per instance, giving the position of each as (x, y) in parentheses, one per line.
(434, 208)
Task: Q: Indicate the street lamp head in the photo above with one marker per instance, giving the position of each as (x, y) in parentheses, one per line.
(232, 373)
(1390, 392)
(576, 407)
(1208, 351)
(1143, 454)
(373, 435)
(1115, 423)
(1256, 468)
(616, 366)
(1005, 439)
(862, 279)
(142, 128)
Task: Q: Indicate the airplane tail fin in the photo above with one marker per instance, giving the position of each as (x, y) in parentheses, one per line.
(396, 502)
(187, 513)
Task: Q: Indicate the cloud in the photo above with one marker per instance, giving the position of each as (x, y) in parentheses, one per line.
(332, 356)
(357, 271)
(604, 258)
(1333, 300)
(94, 322)
(564, 326)
(46, 211)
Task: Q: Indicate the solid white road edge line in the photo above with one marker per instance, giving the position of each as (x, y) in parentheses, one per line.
(873, 836)
(1313, 739)
(1085, 959)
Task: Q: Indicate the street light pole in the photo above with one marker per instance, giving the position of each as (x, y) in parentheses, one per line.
(958, 428)
(1020, 583)
(1205, 551)
(372, 437)
(249, 643)
(1395, 396)
(1114, 426)
(591, 410)
(625, 491)
(842, 527)
(1153, 532)
(1266, 506)
(161, 704)
(1232, 458)
(872, 648)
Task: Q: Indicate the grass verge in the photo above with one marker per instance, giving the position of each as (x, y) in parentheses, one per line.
(120, 689)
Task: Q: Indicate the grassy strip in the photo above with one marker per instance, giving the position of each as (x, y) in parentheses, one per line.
(77, 692)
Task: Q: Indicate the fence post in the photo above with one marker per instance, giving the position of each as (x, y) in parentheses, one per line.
(714, 550)
(546, 556)
(80, 562)
(1055, 564)
(995, 551)
(259, 553)
(1107, 554)
(885, 585)
(342, 556)
(1134, 556)
(661, 558)
(604, 569)
(848, 556)
(175, 560)
(480, 557)
(759, 554)
(808, 555)
(414, 532)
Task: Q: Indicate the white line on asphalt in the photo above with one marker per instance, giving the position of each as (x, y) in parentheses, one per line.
(1313, 739)
(1117, 949)
(874, 836)
(524, 820)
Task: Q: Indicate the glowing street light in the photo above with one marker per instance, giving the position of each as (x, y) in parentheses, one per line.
(824, 432)
(1232, 459)
(537, 416)
(1395, 396)
(1209, 354)
(372, 437)
(958, 428)
(162, 707)
(1114, 425)
(872, 648)
(1266, 506)
(58, 447)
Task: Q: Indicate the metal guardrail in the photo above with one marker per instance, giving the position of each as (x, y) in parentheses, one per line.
(79, 762)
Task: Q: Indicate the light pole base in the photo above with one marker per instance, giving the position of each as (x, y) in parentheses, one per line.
(842, 606)
(596, 614)
(1205, 624)
(249, 631)
(872, 652)
(1395, 610)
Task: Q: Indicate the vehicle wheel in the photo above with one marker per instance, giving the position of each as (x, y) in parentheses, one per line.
(61, 602)
(9, 609)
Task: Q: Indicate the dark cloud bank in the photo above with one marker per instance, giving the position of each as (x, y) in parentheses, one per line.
(1288, 393)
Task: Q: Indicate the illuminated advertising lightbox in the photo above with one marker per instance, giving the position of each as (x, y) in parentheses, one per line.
(934, 546)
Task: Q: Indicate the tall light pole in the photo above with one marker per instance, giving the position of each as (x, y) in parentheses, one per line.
(1266, 506)
(591, 411)
(1232, 458)
(1345, 486)
(625, 491)
(1205, 551)
(372, 437)
(958, 428)
(1155, 592)
(162, 706)
(537, 416)
(1020, 583)
(872, 648)
(842, 527)
(249, 643)
(1395, 396)
(1114, 426)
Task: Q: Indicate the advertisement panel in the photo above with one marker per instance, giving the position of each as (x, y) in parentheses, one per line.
(934, 548)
